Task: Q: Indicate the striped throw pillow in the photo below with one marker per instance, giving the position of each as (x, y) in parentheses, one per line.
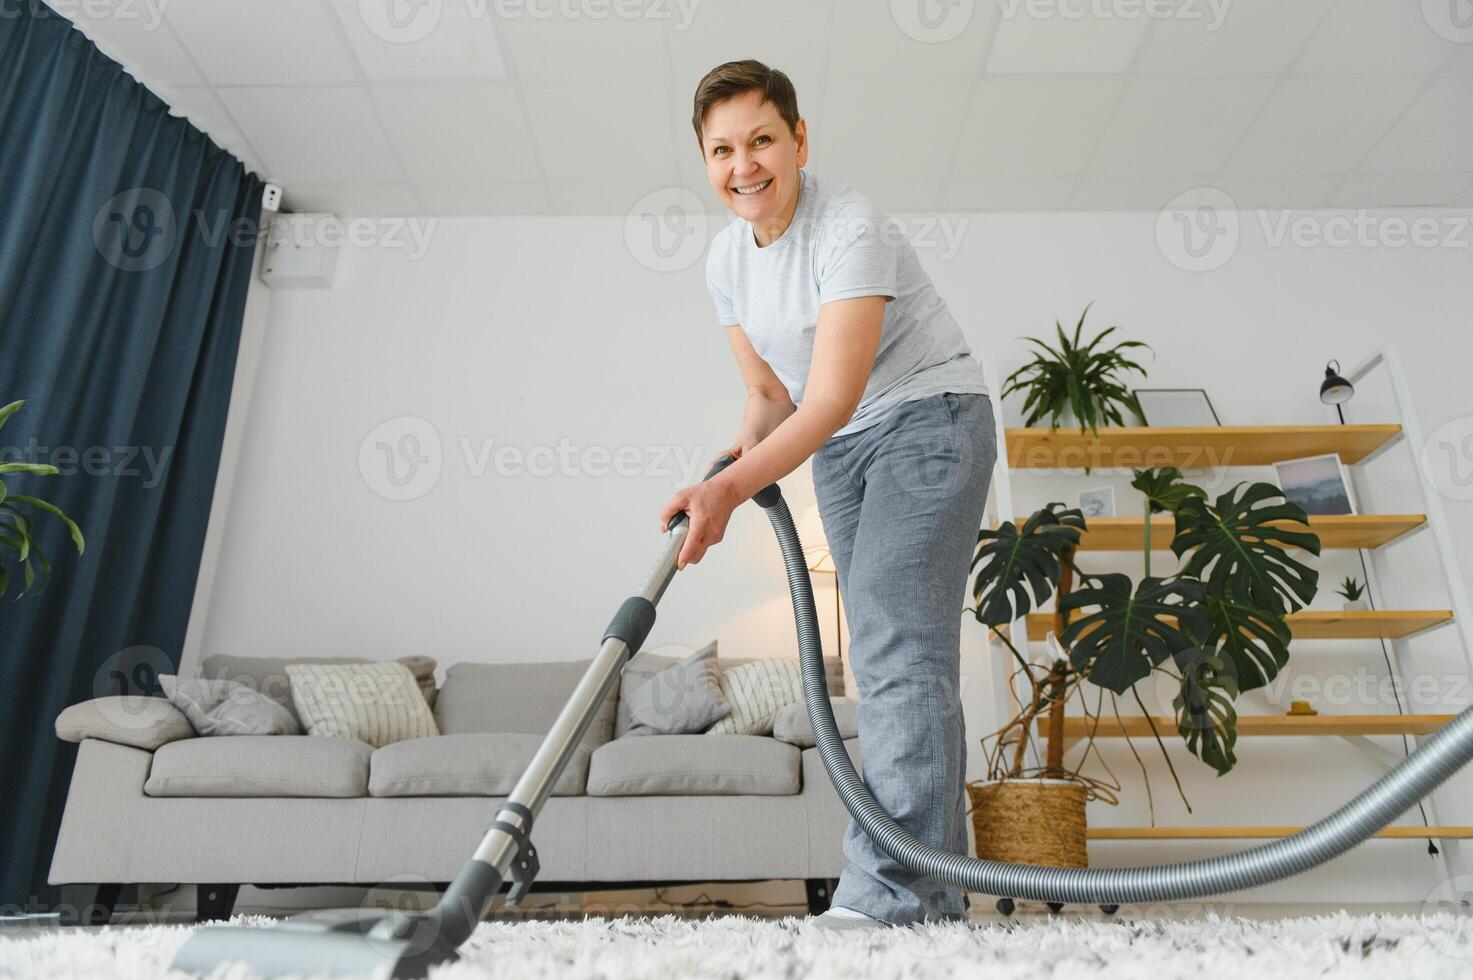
(758, 691)
(374, 703)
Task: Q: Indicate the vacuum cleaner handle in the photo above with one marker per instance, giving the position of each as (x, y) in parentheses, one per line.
(722, 462)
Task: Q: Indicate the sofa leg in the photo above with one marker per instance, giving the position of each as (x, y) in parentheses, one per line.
(820, 893)
(88, 905)
(214, 902)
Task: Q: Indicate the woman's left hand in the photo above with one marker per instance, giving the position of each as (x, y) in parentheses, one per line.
(708, 504)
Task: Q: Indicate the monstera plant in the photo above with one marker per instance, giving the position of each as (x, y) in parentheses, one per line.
(16, 516)
(1208, 631)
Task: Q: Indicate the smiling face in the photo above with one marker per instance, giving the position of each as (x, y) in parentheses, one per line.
(753, 159)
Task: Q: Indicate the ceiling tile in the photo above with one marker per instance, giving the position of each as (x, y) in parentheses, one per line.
(1279, 192)
(1063, 37)
(1034, 128)
(1425, 190)
(603, 131)
(1434, 136)
(721, 32)
(345, 200)
(874, 40)
(1149, 134)
(485, 197)
(449, 40)
(973, 194)
(1321, 125)
(1252, 37)
(889, 129)
(1374, 37)
(585, 49)
(136, 37)
(263, 42)
(313, 134)
(458, 133)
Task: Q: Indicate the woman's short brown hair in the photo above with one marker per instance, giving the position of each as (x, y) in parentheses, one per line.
(735, 77)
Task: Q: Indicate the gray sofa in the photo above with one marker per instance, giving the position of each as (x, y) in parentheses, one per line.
(150, 802)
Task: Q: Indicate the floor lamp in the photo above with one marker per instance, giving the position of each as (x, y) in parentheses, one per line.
(821, 560)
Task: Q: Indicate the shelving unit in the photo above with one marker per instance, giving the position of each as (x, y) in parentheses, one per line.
(1373, 534)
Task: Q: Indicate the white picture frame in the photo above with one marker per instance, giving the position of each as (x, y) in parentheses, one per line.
(1319, 484)
(1096, 502)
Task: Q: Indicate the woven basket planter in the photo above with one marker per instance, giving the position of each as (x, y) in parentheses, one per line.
(1030, 821)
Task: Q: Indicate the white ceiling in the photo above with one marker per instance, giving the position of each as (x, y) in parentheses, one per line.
(583, 106)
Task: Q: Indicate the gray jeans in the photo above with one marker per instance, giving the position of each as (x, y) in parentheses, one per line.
(901, 502)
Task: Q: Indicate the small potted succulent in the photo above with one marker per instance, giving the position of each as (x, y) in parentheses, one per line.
(1353, 592)
(16, 520)
(1077, 383)
(1200, 636)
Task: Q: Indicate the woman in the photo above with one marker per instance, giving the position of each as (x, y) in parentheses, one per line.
(850, 357)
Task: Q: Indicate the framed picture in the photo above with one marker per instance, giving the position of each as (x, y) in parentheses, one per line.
(1097, 502)
(1172, 407)
(1316, 483)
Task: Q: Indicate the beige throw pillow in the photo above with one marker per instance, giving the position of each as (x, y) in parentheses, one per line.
(757, 692)
(374, 703)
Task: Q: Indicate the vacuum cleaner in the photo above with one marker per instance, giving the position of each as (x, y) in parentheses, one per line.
(393, 943)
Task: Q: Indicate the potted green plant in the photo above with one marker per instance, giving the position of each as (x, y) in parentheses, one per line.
(17, 541)
(1353, 592)
(1202, 634)
(1077, 383)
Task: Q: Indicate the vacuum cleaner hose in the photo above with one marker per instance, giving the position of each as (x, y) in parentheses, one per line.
(1390, 796)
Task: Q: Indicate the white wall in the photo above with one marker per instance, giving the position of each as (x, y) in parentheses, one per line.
(531, 332)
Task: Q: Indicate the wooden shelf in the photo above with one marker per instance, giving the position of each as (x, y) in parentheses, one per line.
(1389, 624)
(1256, 833)
(1077, 727)
(1193, 447)
(1338, 531)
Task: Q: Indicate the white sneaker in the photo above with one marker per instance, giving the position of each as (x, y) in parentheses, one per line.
(840, 917)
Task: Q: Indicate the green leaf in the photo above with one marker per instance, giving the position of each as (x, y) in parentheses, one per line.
(1128, 633)
(1164, 489)
(1205, 716)
(9, 410)
(1240, 555)
(40, 469)
(1255, 641)
(52, 509)
(1013, 562)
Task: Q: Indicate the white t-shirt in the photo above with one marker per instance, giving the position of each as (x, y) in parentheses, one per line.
(840, 246)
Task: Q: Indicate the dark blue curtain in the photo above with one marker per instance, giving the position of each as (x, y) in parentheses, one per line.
(126, 242)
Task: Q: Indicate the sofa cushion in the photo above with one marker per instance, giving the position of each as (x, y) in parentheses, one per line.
(681, 700)
(792, 725)
(520, 697)
(374, 703)
(646, 664)
(466, 765)
(694, 765)
(260, 765)
(142, 722)
(758, 691)
(227, 707)
(268, 674)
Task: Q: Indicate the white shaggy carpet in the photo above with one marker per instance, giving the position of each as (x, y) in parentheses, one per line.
(1424, 947)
